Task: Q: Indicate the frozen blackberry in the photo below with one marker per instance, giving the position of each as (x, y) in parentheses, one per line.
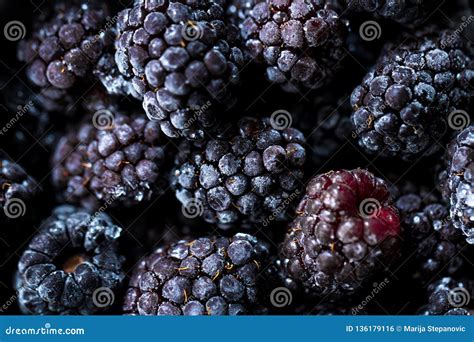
(346, 230)
(433, 244)
(112, 158)
(207, 276)
(17, 190)
(181, 58)
(406, 12)
(449, 296)
(459, 186)
(252, 176)
(300, 42)
(66, 43)
(402, 106)
(70, 265)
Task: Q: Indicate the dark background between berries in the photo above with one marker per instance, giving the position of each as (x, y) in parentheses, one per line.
(160, 222)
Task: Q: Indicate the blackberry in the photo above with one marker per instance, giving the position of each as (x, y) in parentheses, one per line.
(66, 43)
(406, 12)
(206, 276)
(17, 191)
(433, 244)
(111, 157)
(250, 177)
(402, 106)
(70, 264)
(300, 42)
(449, 296)
(181, 58)
(345, 231)
(459, 187)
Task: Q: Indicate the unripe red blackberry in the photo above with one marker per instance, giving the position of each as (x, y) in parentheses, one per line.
(345, 232)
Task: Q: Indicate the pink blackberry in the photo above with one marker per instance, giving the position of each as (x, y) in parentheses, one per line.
(346, 230)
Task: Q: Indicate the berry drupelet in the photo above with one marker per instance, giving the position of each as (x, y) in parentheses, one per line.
(449, 296)
(402, 106)
(70, 264)
(65, 45)
(248, 177)
(433, 244)
(459, 186)
(300, 42)
(17, 190)
(111, 157)
(180, 56)
(206, 276)
(345, 231)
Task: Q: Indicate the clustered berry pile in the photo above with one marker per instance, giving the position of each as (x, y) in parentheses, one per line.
(237, 157)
